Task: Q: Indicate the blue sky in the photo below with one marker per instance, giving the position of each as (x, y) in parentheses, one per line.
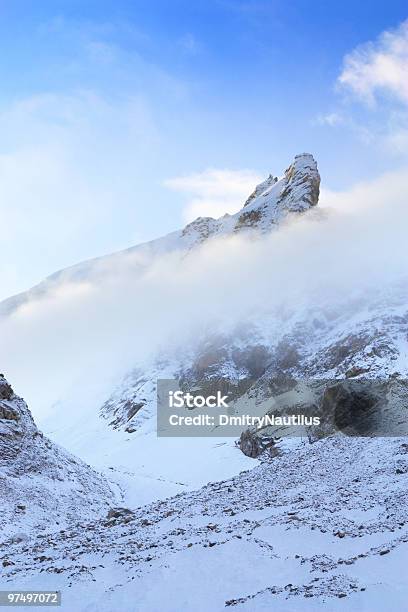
(118, 120)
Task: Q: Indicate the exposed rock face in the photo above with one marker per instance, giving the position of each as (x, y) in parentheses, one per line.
(253, 445)
(302, 187)
(362, 407)
(16, 424)
(41, 485)
(6, 392)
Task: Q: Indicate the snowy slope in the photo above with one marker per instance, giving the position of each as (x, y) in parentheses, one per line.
(42, 487)
(320, 527)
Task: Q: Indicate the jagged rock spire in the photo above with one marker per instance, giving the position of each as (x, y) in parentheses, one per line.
(272, 200)
(296, 191)
(302, 179)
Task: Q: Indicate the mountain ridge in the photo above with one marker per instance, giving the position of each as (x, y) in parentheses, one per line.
(270, 203)
(316, 521)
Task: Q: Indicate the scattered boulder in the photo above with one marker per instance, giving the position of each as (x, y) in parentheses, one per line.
(119, 513)
(253, 444)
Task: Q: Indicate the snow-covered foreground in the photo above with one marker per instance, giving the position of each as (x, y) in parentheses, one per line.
(142, 467)
(42, 486)
(322, 526)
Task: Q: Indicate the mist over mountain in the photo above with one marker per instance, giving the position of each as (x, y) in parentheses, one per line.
(108, 314)
(296, 285)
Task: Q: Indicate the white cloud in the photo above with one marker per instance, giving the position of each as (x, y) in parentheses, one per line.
(214, 192)
(379, 67)
(375, 109)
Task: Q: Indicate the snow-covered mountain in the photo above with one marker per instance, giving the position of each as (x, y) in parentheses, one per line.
(133, 455)
(304, 527)
(271, 203)
(112, 422)
(42, 487)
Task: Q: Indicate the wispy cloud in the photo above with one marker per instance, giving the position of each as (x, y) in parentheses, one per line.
(374, 86)
(379, 67)
(214, 192)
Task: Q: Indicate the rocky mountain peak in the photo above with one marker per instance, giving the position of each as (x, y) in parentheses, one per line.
(302, 182)
(302, 172)
(271, 201)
